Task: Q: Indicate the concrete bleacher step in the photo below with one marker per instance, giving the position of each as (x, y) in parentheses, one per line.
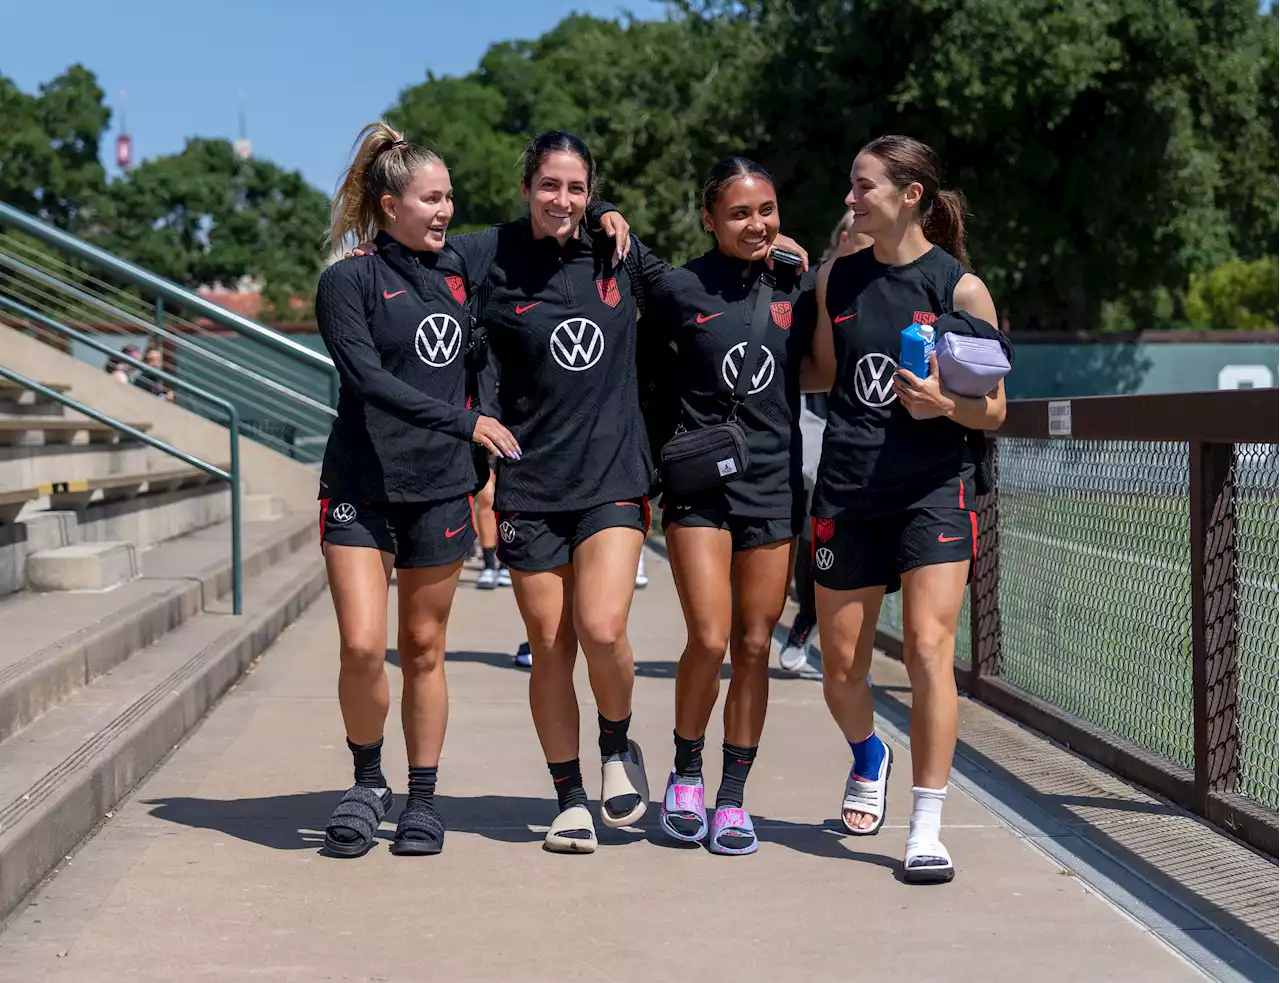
(56, 644)
(60, 430)
(85, 566)
(60, 776)
(142, 508)
(16, 400)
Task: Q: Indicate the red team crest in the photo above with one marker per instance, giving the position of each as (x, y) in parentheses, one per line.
(924, 317)
(781, 313)
(457, 287)
(824, 529)
(609, 292)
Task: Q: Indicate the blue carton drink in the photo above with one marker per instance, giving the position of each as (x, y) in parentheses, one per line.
(917, 346)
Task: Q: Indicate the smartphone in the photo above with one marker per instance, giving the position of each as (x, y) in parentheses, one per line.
(787, 258)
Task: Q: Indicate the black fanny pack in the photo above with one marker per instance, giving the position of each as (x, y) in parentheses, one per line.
(697, 460)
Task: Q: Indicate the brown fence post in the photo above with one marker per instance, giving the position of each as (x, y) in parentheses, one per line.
(984, 589)
(1213, 620)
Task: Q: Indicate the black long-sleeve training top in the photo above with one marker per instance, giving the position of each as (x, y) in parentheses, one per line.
(561, 327)
(397, 329)
(707, 307)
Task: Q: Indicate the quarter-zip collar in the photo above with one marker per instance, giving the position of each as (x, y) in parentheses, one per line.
(548, 248)
(411, 264)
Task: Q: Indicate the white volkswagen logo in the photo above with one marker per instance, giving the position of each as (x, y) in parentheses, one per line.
(508, 532)
(824, 558)
(577, 344)
(873, 379)
(342, 513)
(438, 340)
(732, 364)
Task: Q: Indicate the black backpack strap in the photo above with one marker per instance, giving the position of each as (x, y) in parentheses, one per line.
(755, 341)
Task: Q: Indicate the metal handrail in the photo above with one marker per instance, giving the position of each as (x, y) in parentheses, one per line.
(232, 476)
(159, 286)
(146, 326)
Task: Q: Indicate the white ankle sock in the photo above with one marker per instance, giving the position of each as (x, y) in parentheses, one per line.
(926, 813)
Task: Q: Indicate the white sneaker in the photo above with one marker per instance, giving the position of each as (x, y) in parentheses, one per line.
(795, 655)
(487, 579)
(642, 578)
(504, 577)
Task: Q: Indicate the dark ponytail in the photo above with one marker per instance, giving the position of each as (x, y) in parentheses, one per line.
(942, 212)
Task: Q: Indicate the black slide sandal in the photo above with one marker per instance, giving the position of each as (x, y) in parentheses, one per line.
(420, 832)
(361, 811)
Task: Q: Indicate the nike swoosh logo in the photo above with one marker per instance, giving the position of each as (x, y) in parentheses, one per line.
(949, 539)
(527, 307)
(450, 533)
(845, 318)
(703, 319)
(387, 296)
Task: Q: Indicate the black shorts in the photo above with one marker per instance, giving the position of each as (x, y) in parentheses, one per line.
(747, 532)
(417, 534)
(849, 554)
(532, 542)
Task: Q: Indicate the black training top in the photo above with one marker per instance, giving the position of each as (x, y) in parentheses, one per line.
(708, 305)
(561, 326)
(395, 325)
(877, 459)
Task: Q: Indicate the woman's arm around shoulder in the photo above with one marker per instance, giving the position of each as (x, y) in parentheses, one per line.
(818, 368)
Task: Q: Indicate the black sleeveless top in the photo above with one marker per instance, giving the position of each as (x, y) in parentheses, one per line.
(876, 459)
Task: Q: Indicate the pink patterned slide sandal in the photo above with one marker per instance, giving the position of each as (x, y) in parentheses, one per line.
(684, 811)
(732, 832)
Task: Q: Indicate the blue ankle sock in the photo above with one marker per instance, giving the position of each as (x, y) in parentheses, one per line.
(867, 756)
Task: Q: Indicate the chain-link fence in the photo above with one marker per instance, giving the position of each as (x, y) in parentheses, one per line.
(1095, 584)
(1258, 667)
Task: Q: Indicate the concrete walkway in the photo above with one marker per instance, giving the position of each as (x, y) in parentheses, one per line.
(212, 871)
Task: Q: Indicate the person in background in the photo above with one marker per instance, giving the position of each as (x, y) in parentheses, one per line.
(493, 574)
(117, 369)
(150, 383)
(797, 652)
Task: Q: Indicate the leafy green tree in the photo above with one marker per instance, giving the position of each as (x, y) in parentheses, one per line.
(204, 216)
(1236, 296)
(647, 96)
(49, 146)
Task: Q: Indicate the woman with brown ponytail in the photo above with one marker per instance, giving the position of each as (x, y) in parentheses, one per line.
(894, 497)
(397, 472)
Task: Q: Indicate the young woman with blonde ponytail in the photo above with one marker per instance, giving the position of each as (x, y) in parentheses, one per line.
(895, 491)
(398, 470)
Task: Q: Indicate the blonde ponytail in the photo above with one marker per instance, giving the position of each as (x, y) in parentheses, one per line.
(384, 163)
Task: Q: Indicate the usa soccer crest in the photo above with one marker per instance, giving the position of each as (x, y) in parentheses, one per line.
(609, 292)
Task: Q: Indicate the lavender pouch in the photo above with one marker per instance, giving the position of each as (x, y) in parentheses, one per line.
(970, 366)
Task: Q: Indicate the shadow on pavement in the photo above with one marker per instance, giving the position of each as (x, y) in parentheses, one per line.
(296, 822)
(499, 660)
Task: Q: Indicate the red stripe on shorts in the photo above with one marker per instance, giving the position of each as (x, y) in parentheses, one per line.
(973, 522)
(324, 507)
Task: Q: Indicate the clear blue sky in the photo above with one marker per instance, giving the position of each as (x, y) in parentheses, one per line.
(312, 72)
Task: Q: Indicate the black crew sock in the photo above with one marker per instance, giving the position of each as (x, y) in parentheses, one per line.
(422, 784)
(689, 756)
(368, 760)
(737, 765)
(490, 557)
(613, 736)
(567, 776)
